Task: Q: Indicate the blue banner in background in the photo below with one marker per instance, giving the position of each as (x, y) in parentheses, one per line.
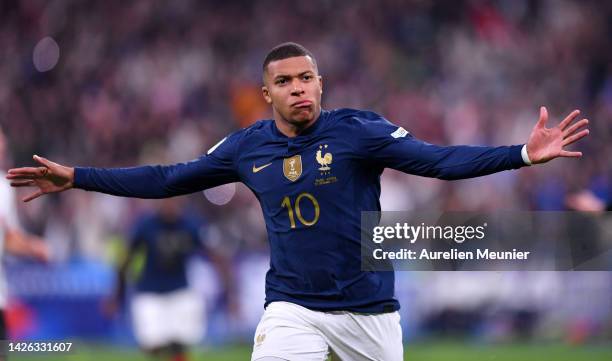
(56, 302)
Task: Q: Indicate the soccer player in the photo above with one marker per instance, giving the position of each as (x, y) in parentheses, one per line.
(168, 315)
(313, 172)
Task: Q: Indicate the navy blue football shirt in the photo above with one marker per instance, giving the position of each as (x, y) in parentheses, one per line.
(168, 244)
(312, 189)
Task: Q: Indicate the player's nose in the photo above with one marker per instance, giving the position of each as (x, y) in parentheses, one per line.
(296, 88)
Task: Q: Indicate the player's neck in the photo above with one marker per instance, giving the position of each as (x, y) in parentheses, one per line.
(291, 130)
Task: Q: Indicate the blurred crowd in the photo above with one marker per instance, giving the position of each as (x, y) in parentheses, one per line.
(115, 83)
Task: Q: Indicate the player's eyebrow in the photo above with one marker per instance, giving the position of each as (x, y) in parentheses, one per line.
(281, 76)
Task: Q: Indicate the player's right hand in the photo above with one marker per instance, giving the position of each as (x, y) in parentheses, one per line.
(50, 177)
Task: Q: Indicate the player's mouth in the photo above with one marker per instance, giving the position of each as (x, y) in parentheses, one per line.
(302, 104)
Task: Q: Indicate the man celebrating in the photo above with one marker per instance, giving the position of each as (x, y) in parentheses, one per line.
(314, 172)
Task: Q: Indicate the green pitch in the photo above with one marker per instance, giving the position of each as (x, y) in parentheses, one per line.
(431, 351)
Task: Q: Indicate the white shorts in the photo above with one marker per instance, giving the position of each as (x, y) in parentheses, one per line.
(161, 318)
(292, 332)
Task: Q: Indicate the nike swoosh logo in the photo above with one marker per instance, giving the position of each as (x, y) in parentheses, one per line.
(257, 169)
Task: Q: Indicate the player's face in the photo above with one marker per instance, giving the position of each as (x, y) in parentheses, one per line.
(293, 87)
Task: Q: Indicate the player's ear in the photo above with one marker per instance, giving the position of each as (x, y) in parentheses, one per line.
(266, 94)
(321, 83)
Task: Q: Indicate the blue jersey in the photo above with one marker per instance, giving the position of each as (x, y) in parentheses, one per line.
(168, 244)
(312, 189)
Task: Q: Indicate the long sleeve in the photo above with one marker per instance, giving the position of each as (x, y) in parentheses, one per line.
(384, 143)
(162, 181)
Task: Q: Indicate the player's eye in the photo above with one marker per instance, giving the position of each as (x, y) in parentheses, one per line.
(281, 81)
(307, 77)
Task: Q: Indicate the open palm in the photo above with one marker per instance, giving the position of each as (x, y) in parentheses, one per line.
(545, 144)
(50, 177)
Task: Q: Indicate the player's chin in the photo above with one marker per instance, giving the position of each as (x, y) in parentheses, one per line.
(302, 115)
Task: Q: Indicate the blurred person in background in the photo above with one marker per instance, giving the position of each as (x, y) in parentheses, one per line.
(13, 239)
(586, 201)
(317, 297)
(168, 314)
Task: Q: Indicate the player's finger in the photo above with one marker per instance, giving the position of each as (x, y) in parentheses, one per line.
(22, 171)
(575, 127)
(565, 153)
(575, 137)
(565, 122)
(543, 117)
(22, 176)
(29, 173)
(23, 183)
(33, 196)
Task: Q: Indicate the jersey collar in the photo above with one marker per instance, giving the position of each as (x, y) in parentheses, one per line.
(308, 131)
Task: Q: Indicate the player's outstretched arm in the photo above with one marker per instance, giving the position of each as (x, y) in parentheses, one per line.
(215, 168)
(391, 146)
(49, 177)
(150, 181)
(545, 144)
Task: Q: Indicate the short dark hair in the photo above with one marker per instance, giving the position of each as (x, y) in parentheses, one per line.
(287, 50)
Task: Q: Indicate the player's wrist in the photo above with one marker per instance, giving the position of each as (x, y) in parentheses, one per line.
(70, 172)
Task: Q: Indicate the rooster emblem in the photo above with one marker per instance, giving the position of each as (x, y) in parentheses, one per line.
(324, 160)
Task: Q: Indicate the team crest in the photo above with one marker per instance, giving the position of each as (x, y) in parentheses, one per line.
(292, 167)
(324, 160)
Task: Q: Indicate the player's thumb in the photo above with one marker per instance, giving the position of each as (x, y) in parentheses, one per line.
(543, 117)
(44, 161)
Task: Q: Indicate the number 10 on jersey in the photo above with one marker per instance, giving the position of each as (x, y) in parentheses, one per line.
(298, 212)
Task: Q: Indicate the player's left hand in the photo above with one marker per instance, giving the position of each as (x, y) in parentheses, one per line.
(545, 144)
